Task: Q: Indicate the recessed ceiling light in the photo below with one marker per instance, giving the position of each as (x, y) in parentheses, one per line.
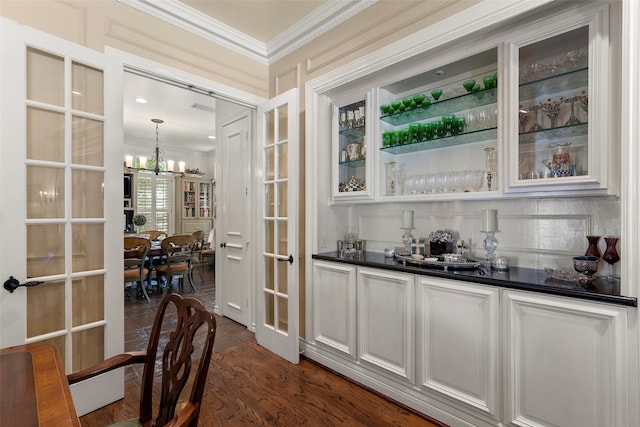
(438, 73)
(211, 137)
(141, 100)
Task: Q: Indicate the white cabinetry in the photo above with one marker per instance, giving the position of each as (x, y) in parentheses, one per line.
(386, 320)
(534, 123)
(334, 306)
(458, 342)
(566, 362)
(473, 354)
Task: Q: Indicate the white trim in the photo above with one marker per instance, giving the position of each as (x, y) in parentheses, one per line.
(320, 21)
(630, 202)
(471, 20)
(174, 74)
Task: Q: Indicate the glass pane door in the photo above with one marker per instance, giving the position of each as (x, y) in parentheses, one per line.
(553, 110)
(351, 148)
(65, 207)
(277, 327)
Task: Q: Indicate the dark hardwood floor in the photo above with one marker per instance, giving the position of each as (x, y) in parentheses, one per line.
(250, 386)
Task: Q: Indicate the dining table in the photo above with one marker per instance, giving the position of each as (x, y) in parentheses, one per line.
(33, 388)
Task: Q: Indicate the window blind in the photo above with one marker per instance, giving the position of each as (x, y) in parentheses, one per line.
(153, 200)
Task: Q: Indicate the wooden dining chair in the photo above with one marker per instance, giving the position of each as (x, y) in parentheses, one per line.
(177, 254)
(135, 269)
(195, 328)
(156, 234)
(196, 260)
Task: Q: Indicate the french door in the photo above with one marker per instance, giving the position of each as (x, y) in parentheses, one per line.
(277, 323)
(60, 193)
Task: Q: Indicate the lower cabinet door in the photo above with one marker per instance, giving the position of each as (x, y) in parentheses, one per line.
(386, 321)
(334, 306)
(458, 342)
(566, 362)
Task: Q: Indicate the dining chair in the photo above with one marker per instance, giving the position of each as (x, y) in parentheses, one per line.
(177, 254)
(209, 247)
(196, 260)
(135, 255)
(195, 328)
(156, 234)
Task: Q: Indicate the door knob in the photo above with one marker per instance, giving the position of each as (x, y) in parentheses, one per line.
(223, 245)
(290, 259)
(11, 284)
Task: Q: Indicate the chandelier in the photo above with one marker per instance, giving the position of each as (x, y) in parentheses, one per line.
(157, 158)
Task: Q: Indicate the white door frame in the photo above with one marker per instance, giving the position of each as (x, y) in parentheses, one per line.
(230, 94)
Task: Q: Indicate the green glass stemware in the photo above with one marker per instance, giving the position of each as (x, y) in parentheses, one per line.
(469, 84)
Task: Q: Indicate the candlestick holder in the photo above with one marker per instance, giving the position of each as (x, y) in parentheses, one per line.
(490, 244)
(407, 237)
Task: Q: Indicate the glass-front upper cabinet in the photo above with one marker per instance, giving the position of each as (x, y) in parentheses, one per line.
(351, 177)
(560, 111)
(437, 135)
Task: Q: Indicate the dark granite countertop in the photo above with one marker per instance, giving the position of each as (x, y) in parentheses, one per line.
(526, 279)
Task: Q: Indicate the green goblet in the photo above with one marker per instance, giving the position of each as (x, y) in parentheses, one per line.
(488, 81)
(396, 106)
(469, 85)
(419, 99)
(422, 131)
(475, 88)
(430, 131)
(386, 109)
(437, 93)
(386, 139)
(407, 103)
(413, 132)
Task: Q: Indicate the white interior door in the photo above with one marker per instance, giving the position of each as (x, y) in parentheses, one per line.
(277, 322)
(234, 261)
(61, 195)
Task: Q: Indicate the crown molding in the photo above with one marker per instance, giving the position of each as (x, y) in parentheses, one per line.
(323, 19)
(202, 25)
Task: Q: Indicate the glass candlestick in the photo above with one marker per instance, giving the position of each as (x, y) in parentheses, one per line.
(490, 244)
(407, 237)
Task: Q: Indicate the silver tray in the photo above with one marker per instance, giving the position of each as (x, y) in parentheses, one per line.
(467, 265)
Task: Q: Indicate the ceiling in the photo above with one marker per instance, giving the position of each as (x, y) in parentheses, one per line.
(189, 117)
(262, 21)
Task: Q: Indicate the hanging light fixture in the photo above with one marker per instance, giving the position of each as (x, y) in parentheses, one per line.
(157, 156)
(156, 167)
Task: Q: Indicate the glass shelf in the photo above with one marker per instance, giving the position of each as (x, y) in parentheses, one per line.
(447, 141)
(353, 133)
(446, 106)
(570, 131)
(559, 82)
(360, 163)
